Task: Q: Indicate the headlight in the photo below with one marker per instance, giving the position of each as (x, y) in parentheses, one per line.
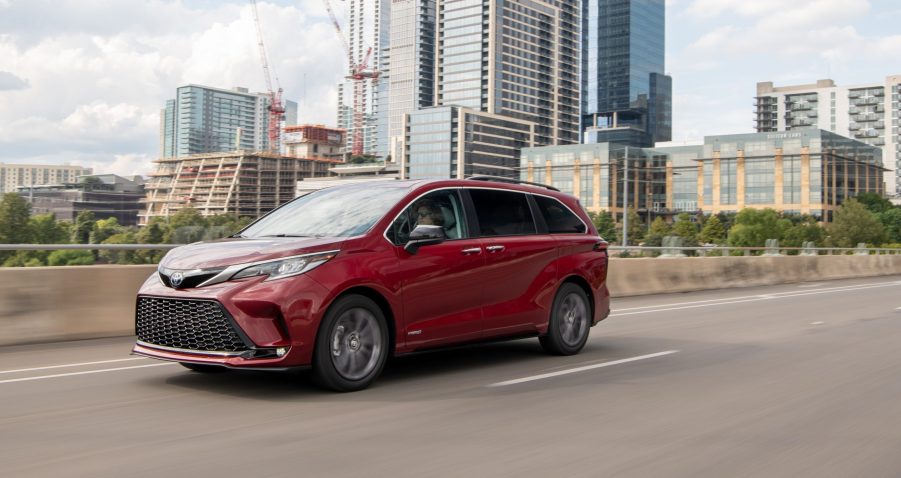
(285, 267)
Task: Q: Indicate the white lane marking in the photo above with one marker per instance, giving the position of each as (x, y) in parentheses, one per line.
(809, 285)
(775, 294)
(752, 298)
(580, 369)
(42, 377)
(817, 323)
(71, 365)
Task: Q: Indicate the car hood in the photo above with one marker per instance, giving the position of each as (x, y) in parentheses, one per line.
(227, 252)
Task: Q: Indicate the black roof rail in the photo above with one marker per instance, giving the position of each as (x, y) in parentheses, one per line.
(502, 179)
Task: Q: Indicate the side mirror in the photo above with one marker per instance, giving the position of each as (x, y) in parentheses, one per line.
(424, 235)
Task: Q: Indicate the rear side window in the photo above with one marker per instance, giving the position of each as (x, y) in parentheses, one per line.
(502, 213)
(559, 219)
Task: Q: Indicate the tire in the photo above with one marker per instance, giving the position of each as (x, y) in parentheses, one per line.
(196, 367)
(570, 321)
(351, 346)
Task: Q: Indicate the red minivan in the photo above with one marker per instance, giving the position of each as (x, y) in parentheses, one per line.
(341, 278)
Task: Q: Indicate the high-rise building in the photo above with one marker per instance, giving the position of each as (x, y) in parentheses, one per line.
(14, 175)
(408, 71)
(203, 119)
(506, 77)
(517, 58)
(870, 113)
(626, 95)
(367, 31)
(455, 142)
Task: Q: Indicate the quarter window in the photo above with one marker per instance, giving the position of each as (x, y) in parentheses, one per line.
(502, 213)
(559, 219)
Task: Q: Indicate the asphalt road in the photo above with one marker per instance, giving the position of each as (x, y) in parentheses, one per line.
(797, 380)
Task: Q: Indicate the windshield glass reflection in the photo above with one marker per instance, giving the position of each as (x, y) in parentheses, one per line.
(331, 212)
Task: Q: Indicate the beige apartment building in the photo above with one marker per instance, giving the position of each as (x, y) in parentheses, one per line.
(14, 175)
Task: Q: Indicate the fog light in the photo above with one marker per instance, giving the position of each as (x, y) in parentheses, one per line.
(281, 351)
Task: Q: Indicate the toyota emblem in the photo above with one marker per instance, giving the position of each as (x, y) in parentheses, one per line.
(176, 279)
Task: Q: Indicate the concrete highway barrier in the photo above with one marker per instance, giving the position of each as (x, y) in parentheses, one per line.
(44, 304)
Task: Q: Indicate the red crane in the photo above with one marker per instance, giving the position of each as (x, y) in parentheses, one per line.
(358, 73)
(276, 108)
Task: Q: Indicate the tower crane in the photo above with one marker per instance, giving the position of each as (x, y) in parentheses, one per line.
(276, 108)
(359, 74)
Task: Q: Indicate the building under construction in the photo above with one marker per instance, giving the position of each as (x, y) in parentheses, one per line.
(242, 183)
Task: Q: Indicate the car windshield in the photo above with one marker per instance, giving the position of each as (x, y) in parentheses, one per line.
(331, 212)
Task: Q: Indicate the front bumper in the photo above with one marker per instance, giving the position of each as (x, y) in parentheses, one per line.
(243, 360)
(278, 321)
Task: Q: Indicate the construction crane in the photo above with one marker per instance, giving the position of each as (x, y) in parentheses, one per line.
(276, 108)
(359, 74)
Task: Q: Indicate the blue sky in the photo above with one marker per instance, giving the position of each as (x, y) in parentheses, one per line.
(82, 81)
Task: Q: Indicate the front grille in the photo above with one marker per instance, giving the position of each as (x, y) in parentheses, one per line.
(189, 324)
(191, 281)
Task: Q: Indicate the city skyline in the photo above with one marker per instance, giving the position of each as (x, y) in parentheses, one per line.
(118, 73)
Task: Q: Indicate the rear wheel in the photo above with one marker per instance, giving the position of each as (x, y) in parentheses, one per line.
(352, 345)
(569, 323)
(196, 367)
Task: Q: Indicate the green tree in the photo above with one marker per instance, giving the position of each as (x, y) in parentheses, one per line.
(153, 233)
(605, 225)
(84, 224)
(14, 215)
(186, 226)
(685, 228)
(805, 230)
(891, 219)
(754, 226)
(45, 229)
(104, 228)
(637, 229)
(874, 202)
(658, 230)
(70, 258)
(713, 232)
(853, 224)
(120, 257)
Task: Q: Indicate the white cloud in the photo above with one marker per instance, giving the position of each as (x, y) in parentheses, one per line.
(9, 81)
(98, 71)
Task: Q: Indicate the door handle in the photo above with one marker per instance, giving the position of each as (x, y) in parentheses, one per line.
(472, 250)
(495, 248)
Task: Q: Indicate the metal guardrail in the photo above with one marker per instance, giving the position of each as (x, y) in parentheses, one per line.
(750, 251)
(672, 249)
(87, 247)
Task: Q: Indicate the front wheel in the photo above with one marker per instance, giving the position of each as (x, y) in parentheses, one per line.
(352, 345)
(569, 323)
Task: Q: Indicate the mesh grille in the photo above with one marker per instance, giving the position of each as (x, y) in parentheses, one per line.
(189, 324)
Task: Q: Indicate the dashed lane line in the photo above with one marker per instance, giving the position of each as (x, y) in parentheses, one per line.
(72, 374)
(580, 369)
(70, 365)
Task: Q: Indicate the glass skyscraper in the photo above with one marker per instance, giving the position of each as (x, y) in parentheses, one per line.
(209, 120)
(514, 58)
(626, 96)
(408, 71)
